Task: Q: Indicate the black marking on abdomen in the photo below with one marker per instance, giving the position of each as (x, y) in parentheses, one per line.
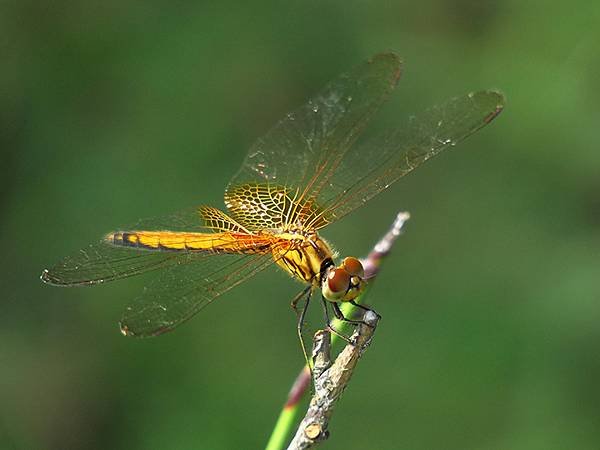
(125, 240)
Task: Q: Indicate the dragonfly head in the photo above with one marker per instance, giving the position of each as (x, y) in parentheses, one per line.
(344, 282)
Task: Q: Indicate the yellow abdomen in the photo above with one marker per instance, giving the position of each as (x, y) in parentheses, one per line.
(227, 242)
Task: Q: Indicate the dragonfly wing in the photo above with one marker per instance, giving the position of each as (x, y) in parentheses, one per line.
(304, 149)
(182, 290)
(103, 261)
(371, 167)
(269, 206)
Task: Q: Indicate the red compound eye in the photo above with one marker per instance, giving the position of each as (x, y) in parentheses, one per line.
(354, 267)
(338, 281)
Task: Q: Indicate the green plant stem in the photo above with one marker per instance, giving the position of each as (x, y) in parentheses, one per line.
(283, 427)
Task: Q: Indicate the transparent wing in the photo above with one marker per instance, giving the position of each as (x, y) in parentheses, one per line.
(304, 171)
(101, 262)
(373, 166)
(182, 290)
(306, 147)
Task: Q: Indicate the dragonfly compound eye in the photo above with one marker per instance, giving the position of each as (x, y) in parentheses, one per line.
(336, 285)
(353, 266)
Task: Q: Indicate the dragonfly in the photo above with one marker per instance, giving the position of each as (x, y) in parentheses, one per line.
(308, 171)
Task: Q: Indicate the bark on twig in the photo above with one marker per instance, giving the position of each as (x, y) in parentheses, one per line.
(330, 380)
(384, 246)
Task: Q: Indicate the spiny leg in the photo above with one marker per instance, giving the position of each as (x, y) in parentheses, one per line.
(330, 322)
(340, 315)
(301, 315)
(297, 298)
(364, 308)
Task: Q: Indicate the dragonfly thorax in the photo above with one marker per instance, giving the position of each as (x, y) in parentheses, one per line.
(304, 256)
(310, 259)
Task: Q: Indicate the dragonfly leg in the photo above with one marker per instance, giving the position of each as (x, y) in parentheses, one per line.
(297, 298)
(340, 315)
(301, 315)
(330, 322)
(364, 308)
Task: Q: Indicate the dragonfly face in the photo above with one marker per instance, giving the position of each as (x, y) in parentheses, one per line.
(343, 283)
(304, 174)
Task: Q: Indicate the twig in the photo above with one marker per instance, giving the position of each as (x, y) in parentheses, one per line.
(372, 262)
(372, 265)
(330, 380)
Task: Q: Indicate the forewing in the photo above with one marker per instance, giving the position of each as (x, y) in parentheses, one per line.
(373, 166)
(270, 206)
(102, 262)
(304, 149)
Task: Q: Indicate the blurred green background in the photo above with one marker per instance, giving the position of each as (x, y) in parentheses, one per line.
(113, 111)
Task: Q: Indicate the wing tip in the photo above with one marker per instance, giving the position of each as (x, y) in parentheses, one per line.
(495, 98)
(390, 55)
(127, 331)
(489, 95)
(392, 59)
(500, 103)
(48, 277)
